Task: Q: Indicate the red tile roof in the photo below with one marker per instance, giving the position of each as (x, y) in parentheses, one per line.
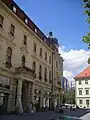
(84, 74)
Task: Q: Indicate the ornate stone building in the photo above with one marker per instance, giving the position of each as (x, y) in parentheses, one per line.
(29, 61)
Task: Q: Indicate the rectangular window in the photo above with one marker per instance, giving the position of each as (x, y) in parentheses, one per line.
(80, 92)
(87, 102)
(50, 59)
(49, 76)
(40, 52)
(80, 102)
(34, 48)
(80, 82)
(25, 40)
(45, 56)
(1, 21)
(87, 92)
(12, 29)
(86, 81)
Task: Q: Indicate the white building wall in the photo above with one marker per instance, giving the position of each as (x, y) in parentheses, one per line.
(82, 97)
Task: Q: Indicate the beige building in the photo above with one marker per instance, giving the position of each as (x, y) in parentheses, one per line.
(29, 61)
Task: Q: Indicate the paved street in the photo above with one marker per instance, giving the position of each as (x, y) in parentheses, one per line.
(44, 115)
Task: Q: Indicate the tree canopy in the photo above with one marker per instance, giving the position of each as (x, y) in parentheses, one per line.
(86, 38)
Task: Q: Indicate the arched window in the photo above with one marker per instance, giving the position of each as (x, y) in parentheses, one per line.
(45, 75)
(40, 72)
(8, 57)
(23, 60)
(34, 67)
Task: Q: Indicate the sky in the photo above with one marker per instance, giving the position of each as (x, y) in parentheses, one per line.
(66, 19)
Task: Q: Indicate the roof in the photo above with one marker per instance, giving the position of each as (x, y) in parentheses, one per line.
(27, 21)
(84, 74)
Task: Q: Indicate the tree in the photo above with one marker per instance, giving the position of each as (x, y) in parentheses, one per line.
(63, 100)
(86, 38)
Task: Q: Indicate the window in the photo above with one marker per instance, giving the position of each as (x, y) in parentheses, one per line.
(45, 56)
(25, 40)
(49, 76)
(8, 58)
(35, 30)
(87, 102)
(23, 61)
(80, 102)
(86, 81)
(40, 52)
(56, 64)
(50, 59)
(14, 9)
(40, 72)
(12, 29)
(34, 67)
(26, 21)
(45, 75)
(80, 92)
(34, 48)
(1, 21)
(87, 92)
(80, 82)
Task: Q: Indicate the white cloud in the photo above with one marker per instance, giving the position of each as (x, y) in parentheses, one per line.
(75, 61)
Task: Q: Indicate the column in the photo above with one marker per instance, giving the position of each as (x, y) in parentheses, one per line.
(19, 94)
(11, 98)
(44, 99)
(47, 102)
(32, 92)
(55, 102)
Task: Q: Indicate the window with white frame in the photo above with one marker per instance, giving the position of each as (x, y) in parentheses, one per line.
(87, 102)
(80, 102)
(80, 92)
(14, 9)
(86, 81)
(26, 20)
(80, 82)
(87, 92)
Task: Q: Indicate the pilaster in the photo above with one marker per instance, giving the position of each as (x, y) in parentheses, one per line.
(19, 94)
(11, 99)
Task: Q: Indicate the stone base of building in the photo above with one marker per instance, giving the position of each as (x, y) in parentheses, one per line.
(18, 90)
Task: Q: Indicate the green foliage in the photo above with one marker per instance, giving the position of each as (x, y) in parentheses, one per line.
(86, 38)
(70, 96)
(89, 60)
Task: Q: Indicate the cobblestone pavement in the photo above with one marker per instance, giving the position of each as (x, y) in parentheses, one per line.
(44, 115)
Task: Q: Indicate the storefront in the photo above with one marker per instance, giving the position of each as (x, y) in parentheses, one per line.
(4, 92)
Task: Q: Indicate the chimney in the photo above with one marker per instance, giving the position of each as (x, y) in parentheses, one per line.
(50, 34)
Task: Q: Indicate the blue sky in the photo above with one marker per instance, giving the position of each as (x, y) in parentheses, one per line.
(64, 17)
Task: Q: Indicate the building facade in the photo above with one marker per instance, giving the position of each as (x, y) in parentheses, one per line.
(29, 62)
(65, 84)
(82, 88)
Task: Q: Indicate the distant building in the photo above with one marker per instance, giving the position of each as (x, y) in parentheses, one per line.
(82, 88)
(65, 84)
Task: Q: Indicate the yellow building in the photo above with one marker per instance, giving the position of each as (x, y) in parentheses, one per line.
(29, 62)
